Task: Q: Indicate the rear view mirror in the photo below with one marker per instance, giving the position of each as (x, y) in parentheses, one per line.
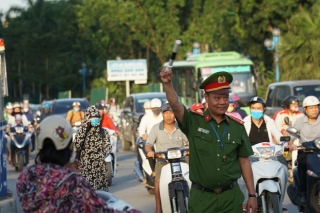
(292, 130)
(287, 121)
(127, 109)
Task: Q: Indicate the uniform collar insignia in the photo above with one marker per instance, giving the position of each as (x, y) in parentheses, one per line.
(207, 117)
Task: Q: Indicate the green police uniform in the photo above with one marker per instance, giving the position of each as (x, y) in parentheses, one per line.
(214, 164)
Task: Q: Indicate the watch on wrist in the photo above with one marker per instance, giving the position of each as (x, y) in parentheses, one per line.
(253, 195)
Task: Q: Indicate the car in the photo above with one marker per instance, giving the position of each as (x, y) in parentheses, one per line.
(131, 114)
(64, 105)
(277, 92)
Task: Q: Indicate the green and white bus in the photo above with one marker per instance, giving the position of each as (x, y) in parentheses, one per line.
(188, 74)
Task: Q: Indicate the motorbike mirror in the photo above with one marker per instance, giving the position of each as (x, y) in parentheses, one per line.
(127, 109)
(286, 120)
(285, 138)
(292, 130)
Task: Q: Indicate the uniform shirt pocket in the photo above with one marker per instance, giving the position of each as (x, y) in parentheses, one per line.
(203, 142)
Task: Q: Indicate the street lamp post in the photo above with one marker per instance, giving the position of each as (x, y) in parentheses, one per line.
(84, 71)
(272, 45)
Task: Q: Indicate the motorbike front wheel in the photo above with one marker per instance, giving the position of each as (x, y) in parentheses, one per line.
(272, 202)
(109, 168)
(180, 202)
(20, 163)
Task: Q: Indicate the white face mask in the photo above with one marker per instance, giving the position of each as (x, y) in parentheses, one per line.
(148, 112)
(25, 109)
(73, 157)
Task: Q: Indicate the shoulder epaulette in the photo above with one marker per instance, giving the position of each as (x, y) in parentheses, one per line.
(195, 112)
(236, 120)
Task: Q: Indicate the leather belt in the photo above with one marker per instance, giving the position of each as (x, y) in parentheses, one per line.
(215, 191)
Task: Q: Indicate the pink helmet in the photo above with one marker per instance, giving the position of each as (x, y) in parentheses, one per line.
(235, 98)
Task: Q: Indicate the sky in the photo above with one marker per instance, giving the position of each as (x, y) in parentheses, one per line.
(6, 4)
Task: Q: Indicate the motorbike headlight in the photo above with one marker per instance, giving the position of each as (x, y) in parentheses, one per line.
(317, 143)
(19, 130)
(173, 154)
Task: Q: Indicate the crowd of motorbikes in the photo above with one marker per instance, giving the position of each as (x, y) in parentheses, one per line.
(270, 179)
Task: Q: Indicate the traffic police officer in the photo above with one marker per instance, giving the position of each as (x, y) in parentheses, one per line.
(219, 148)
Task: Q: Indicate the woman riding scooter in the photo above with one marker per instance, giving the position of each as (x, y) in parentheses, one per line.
(53, 184)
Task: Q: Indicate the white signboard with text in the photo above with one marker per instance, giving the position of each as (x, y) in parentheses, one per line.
(127, 70)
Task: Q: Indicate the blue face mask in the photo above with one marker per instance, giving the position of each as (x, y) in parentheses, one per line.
(76, 109)
(94, 121)
(255, 114)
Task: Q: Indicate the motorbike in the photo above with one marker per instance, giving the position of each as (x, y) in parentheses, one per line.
(270, 177)
(111, 159)
(113, 202)
(142, 168)
(174, 180)
(312, 201)
(20, 142)
(76, 128)
(291, 157)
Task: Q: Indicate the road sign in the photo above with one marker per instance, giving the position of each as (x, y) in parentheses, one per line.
(127, 70)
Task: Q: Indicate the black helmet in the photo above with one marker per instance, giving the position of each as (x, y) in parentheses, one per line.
(289, 100)
(257, 99)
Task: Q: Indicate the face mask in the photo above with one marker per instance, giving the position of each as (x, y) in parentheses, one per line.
(156, 112)
(230, 109)
(25, 109)
(255, 114)
(94, 121)
(73, 157)
(148, 112)
(294, 109)
(76, 109)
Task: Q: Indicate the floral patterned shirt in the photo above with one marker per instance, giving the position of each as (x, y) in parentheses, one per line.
(44, 188)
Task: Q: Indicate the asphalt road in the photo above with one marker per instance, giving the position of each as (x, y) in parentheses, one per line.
(125, 185)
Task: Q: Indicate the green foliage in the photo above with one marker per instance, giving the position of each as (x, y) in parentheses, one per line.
(299, 49)
(47, 41)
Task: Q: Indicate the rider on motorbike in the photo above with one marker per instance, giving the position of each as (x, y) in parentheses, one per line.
(165, 135)
(290, 110)
(308, 126)
(8, 112)
(17, 110)
(106, 121)
(260, 128)
(75, 115)
(148, 121)
(53, 184)
(231, 110)
(46, 111)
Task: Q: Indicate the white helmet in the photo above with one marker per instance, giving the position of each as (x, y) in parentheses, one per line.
(147, 105)
(57, 129)
(155, 103)
(310, 101)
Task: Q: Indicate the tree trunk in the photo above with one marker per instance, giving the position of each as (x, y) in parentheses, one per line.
(47, 86)
(20, 81)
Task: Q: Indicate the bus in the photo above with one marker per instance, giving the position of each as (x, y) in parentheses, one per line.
(188, 75)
